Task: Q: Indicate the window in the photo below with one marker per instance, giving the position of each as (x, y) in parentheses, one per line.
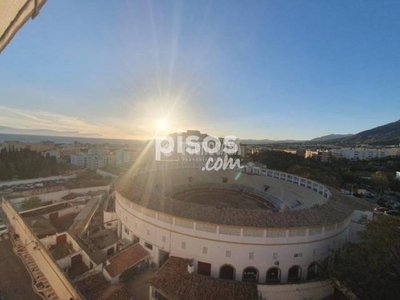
(126, 230)
(224, 179)
(164, 239)
(315, 252)
(148, 246)
(148, 232)
(251, 255)
(275, 256)
(190, 179)
(250, 274)
(298, 255)
(205, 250)
(228, 253)
(183, 245)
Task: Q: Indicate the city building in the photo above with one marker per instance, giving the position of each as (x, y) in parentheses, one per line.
(53, 152)
(364, 153)
(306, 153)
(17, 146)
(324, 156)
(122, 157)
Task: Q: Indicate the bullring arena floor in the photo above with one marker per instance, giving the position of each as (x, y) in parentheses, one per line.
(223, 198)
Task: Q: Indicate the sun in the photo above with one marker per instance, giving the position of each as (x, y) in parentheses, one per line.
(162, 124)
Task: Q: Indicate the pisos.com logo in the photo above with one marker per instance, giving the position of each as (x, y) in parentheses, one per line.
(216, 153)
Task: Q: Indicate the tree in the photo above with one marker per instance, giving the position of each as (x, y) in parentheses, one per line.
(395, 185)
(32, 202)
(379, 181)
(26, 163)
(370, 269)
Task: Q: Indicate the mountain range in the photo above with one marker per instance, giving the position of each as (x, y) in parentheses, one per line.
(388, 134)
(324, 138)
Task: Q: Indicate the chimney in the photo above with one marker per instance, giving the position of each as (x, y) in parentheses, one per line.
(190, 268)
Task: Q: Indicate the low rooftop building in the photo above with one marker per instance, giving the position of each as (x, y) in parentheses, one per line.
(174, 281)
(131, 257)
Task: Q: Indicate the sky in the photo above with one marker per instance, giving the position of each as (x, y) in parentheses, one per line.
(252, 69)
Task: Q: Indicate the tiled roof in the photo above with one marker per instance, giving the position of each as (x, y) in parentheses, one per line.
(126, 259)
(174, 281)
(70, 196)
(97, 288)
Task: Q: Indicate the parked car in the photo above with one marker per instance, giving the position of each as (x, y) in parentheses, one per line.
(393, 212)
(380, 210)
(2, 295)
(3, 229)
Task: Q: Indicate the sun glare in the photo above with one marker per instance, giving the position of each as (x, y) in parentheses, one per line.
(162, 124)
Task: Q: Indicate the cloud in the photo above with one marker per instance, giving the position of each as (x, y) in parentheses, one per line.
(63, 124)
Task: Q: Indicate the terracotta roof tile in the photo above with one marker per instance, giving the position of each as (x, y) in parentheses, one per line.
(126, 259)
(174, 281)
(97, 288)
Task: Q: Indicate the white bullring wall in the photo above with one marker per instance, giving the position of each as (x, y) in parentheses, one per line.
(315, 290)
(149, 229)
(168, 233)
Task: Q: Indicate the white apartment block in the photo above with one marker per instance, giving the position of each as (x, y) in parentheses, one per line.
(89, 161)
(364, 153)
(122, 157)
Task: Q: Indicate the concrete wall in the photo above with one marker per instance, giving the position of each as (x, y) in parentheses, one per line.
(67, 211)
(55, 277)
(56, 196)
(358, 221)
(110, 220)
(51, 240)
(106, 174)
(305, 291)
(36, 180)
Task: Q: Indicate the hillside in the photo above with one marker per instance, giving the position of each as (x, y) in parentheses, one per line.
(330, 137)
(388, 134)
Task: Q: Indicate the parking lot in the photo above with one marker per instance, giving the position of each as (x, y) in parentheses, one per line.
(15, 281)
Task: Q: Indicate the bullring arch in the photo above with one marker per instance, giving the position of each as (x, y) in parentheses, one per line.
(273, 275)
(294, 274)
(227, 272)
(250, 274)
